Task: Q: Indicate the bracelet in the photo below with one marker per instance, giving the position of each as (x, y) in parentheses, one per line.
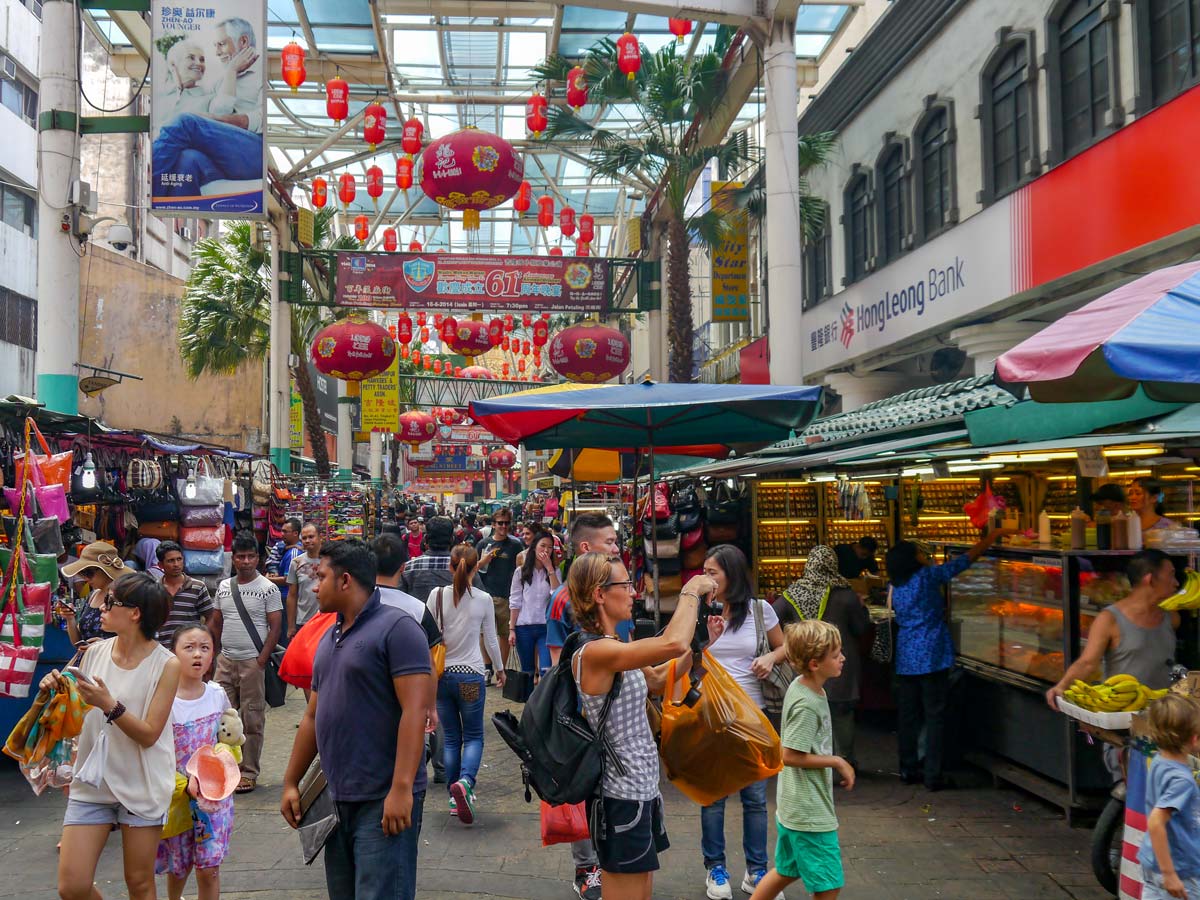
(116, 713)
(689, 594)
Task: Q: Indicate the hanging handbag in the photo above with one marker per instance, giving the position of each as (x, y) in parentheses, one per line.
(203, 537)
(665, 529)
(724, 506)
(670, 565)
(883, 644)
(775, 685)
(685, 500)
(691, 537)
(693, 557)
(159, 507)
(47, 467)
(144, 475)
(274, 687)
(260, 482)
(689, 519)
(518, 685)
(197, 516)
(208, 490)
(18, 659)
(717, 533)
(163, 531)
(663, 548)
(204, 562)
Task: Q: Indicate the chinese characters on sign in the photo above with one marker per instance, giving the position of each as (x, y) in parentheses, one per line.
(730, 260)
(379, 400)
(296, 421)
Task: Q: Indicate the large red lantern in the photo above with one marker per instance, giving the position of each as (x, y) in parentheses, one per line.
(556, 251)
(470, 170)
(590, 353)
(541, 333)
(495, 332)
(470, 338)
(629, 55)
(583, 248)
(320, 192)
(374, 124)
(390, 240)
(501, 459)
(353, 348)
(524, 195)
(447, 328)
(414, 246)
(681, 28)
(404, 330)
(545, 211)
(478, 372)
(416, 427)
(346, 188)
(577, 89)
(337, 99)
(410, 137)
(404, 173)
(375, 184)
(566, 221)
(587, 228)
(362, 227)
(535, 114)
(291, 59)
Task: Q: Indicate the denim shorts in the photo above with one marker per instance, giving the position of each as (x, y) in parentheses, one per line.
(80, 812)
(1152, 887)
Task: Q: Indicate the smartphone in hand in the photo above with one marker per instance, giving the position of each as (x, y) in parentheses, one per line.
(79, 674)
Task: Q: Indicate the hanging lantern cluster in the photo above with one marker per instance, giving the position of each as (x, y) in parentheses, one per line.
(291, 59)
(577, 89)
(470, 170)
(589, 353)
(629, 55)
(535, 114)
(524, 195)
(391, 241)
(410, 137)
(375, 184)
(337, 99)
(320, 193)
(362, 228)
(681, 28)
(353, 348)
(374, 124)
(346, 189)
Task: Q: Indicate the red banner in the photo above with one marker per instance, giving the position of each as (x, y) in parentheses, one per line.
(468, 282)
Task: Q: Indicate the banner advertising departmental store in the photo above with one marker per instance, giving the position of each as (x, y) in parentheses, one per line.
(472, 282)
(208, 78)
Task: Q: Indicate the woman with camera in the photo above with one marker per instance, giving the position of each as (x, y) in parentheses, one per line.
(631, 830)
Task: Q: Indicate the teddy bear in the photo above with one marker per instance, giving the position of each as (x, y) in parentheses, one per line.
(231, 734)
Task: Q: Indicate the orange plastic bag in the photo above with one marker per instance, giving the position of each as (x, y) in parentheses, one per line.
(720, 745)
(47, 468)
(297, 666)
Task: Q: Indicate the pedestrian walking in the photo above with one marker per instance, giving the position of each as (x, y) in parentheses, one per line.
(733, 642)
(100, 564)
(806, 845)
(497, 562)
(191, 603)
(196, 719)
(464, 614)
(300, 601)
(125, 760)
(529, 603)
(366, 715)
(248, 601)
(1170, 851)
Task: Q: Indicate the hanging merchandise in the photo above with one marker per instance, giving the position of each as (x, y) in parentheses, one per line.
(337, 99)
(47, 467)
(200, 487)
(375, 184)
(291, 59)
(410, 137)
(853, 500)
(374, 124)
(320, 192)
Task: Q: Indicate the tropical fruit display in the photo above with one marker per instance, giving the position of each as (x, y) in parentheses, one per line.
(1120, 693)
(1188, 596)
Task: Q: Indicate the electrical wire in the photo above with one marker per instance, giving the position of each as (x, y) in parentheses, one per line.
(79, 72)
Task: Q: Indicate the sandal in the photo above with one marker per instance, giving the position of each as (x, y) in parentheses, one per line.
(245, 786)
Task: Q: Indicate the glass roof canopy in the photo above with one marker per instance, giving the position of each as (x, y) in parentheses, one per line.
(453, 71)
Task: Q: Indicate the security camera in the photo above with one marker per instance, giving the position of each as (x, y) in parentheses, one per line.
(120, 236)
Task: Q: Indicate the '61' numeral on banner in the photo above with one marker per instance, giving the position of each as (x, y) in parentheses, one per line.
(503, 284)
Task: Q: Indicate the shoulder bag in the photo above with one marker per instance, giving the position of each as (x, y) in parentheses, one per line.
(884, 643)
(275, 688)
(776, 684)
(437, 653)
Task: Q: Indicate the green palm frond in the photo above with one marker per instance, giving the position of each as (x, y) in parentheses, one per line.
(554, 68)
(711, 227)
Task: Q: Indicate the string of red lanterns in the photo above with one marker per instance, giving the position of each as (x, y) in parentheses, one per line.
(375, 184)
(320, 193)
(337, 99)
(291, 59)
(374, 124)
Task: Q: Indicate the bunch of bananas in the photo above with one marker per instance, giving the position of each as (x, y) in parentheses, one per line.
(1120, 693)
(1188, 596)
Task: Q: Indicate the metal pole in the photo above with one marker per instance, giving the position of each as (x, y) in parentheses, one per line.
(279, 396)
(654, 541)
(524, 473)
(58, 249)
(376, 459)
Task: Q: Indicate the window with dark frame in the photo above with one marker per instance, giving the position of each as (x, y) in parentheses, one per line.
(893, 207)
(18, 96)
(1083, 70)
(936, 167)
(817, 281)
(858, 228)
(1011, 111)
(18, 210)
(1174, 47)
(18, 319)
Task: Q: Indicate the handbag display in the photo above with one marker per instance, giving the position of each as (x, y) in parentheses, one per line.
(669, 565)
(164, 531)
(260, 482)
(775, 685)
(661, 501)
(724, 507)
(719, 533)
(209, 490)
(47, 467)
(693, 557)
(664, 529)
(159, 508)
(518, 685)
(664, 548)
(194, 516)
(143, 475)
(275, 688)
(202, 537)
(691, 537)
(204, 562)
(690, 520)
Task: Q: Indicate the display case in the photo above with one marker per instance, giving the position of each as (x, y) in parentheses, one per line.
(786, 517)
(933, 510)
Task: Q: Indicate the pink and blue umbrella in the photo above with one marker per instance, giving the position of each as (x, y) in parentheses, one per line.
(1145, 333)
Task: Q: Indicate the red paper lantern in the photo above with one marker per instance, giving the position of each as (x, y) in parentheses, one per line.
(526, 320)
(478, 372)
(375, 184)
(504, 369)
(414, 246)
(291, 59)
(470, 170)
(320, 193)
(404, 173)
(681, 28)
(428, 364)
(416, 357)
(416, 427)
(541, 333)
(404, 330)
(589, 353)
(404, 351)
(495, 332)
(458, 372)
(524, 195)
(508, 322)
(410, 137)
(446, 327)
(566, 221)
(587, 228)
(353, 348)
(545, 317)
(437, 367)
(420, 318)
(583, 248)
(390, 240)
(526, 347)
(337, 99)
(577, 89)
(425, 334)
(535, 114)
(556, 251)
(346, 188)
(521, 366)
(470, 338)
(537, 356)
(392, 332)
(374, 124)
(362, 227)
(545, 211)
(501, 459)
(629, 55)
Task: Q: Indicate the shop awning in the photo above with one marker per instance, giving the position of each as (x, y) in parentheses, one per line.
(1030, 420)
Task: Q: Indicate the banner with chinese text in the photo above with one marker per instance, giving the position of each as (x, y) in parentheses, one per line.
(731, 261)
(379, 400)
(296, 421)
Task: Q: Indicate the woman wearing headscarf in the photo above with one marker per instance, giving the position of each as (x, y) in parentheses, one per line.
(822, 593)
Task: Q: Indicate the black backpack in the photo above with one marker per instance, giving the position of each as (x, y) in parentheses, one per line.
(562, 758)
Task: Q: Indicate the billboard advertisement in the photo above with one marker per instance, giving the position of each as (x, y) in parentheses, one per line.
(472, 282)
(731, 261)
(208, 79)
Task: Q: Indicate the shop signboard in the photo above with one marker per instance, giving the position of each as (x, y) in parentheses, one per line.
(731, 260)
(379, 400)
(472, 282)
(326, 389)
(296, 420)
(464, 434)
(208, 80)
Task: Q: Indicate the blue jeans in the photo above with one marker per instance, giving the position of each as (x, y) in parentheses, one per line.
(460, 708)
(531, 647)
(364, 863)
(754, 828)
(206, 150)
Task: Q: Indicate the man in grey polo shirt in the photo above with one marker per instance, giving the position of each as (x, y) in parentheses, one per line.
(366, 715)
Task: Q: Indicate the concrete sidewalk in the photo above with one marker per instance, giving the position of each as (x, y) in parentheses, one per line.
(898, 842)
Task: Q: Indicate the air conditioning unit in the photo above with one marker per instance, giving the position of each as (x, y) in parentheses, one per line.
(186, 233)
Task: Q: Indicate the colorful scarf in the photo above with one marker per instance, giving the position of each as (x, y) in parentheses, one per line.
(808, 592)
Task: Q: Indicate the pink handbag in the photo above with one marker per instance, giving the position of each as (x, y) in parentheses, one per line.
(690, 539)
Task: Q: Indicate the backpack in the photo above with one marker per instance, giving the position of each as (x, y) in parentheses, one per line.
(562, 759)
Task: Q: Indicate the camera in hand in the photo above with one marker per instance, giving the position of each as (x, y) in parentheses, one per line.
(700, 639)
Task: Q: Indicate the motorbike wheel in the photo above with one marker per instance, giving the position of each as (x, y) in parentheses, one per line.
(1107, 839)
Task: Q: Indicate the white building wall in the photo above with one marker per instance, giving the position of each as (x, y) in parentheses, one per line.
(18, 149)
(20, 35)
(19, 253)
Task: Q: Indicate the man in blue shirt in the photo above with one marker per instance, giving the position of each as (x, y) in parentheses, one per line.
(372, 671)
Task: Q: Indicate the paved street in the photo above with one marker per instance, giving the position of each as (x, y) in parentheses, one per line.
(899, 843)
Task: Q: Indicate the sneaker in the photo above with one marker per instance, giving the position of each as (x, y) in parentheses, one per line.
(453, 807)
(587, 883)
(751, 879)
(464, 800)
(716, 886)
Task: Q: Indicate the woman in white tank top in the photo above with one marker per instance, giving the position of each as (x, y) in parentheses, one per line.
(125, 765)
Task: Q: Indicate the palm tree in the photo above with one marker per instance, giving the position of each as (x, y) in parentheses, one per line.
(225, 316)
(659, 150)
(814, 151)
